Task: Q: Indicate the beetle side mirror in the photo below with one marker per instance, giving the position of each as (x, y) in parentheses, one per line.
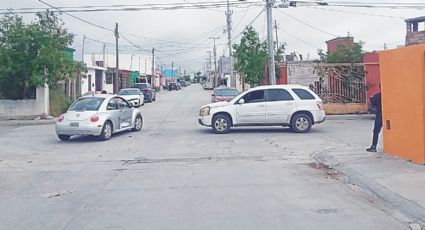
(241, 101)
(213, 95)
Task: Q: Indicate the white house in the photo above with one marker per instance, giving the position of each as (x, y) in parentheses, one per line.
(96, 80)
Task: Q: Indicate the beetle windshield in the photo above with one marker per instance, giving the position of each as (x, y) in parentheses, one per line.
(87, 103)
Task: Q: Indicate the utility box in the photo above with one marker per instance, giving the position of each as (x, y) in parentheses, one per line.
(403, 102)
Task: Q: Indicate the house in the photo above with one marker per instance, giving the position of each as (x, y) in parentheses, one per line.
(333, 44)
(96, 80)
(415, 31)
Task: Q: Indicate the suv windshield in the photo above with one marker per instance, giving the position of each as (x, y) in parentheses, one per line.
(227, 92)
(128, 92)
(87, 103)
(140, 86)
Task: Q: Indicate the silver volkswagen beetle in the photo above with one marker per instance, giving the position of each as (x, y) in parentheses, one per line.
(98, 115)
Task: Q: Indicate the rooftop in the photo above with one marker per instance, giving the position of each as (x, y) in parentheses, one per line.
(418, 19)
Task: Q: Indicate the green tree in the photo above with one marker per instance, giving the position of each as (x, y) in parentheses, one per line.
(33, 54)
(251, 57)
(198, 76)
(344, 54)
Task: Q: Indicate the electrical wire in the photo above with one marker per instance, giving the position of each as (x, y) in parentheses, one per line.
(307, 24)
(358, 13)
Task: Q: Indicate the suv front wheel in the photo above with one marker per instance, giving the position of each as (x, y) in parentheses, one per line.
(301, 123)
(221, 124)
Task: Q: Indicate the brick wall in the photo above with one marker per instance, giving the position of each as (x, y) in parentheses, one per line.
(413, 38)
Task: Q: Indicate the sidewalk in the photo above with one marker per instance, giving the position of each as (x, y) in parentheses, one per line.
(27, 122)
(398, 182)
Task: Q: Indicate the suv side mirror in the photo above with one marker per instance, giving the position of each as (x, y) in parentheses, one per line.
(213, 95)
(241, 101)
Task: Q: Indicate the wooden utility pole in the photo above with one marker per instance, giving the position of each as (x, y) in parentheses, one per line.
(153, 68)
(277, 39)
(117, 60)
(215, 62)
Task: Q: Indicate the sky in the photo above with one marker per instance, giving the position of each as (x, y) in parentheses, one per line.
(182, 36)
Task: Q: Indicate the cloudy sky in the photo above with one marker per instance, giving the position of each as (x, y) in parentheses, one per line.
(182, 36)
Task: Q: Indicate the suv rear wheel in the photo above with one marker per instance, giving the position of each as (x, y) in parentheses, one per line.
(221, 124)
(301, 123)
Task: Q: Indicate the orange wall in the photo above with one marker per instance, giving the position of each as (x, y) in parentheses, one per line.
(403, 101)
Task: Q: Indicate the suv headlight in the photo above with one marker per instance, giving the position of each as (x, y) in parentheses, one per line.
(205, 111)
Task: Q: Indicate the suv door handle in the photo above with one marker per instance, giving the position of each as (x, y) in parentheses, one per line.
(260, 106)
(289, 103)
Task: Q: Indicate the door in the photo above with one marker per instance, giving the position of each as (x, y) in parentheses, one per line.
(253, 110)
(89, 83)
(112, 109)
(99, 80)
(126, 112)
(279, 106)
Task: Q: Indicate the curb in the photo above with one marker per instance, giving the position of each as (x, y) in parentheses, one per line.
(351, 117)
(27, 122)
(407, 207)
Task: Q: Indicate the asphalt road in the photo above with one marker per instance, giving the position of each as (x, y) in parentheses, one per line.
(176, 174)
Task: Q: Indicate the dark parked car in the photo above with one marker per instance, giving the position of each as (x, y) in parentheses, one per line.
(173, 86)
(148, 92)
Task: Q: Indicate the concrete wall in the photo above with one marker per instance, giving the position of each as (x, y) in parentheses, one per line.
(301, 73)
(345, 108)
(403, 101)
(26, 108)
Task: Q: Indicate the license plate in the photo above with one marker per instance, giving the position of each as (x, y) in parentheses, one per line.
(74, 124)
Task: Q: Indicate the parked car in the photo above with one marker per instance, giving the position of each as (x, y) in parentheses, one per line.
(208, 86)
(224, 94)
(179, 86)
(183, 83)
(148, 92)
(133, 95)
(98, 115)
(276, 105)
(173, 86)
(188, 83)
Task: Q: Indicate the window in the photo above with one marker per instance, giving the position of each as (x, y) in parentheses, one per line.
(112, 105)
(278, 95)
(254, 96)
(129, 92)
(122, 104)
(303, 94)
(227, 92)
(87, 104)
(109, 78)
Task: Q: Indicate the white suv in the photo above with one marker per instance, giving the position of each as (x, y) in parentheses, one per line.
(274, 105)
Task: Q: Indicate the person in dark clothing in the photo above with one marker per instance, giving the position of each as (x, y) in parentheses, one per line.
(376, 102)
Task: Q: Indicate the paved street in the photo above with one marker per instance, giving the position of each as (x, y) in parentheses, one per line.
(178, 175)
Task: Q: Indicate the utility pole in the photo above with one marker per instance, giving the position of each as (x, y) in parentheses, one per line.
(277, 38)
(117, 60)
(104, 55)
(215, 62)
(146, 66)
(82, 51)
(139, 67)
(172, 70)
(272, 75)
(229, 14)
(209, 65)
(131, 62)
(153, 68)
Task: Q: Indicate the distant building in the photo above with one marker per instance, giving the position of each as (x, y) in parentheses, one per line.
(332, 45)
(415, 31)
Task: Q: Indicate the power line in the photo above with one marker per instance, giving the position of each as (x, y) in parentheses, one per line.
(309, 25)
(80, 19)
(163, 6)
(249, 24)
(300, 39)
(353, 12)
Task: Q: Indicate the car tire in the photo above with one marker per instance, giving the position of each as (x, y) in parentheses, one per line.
(107, 131)
(221, 124)
(301, 123)
(154, 98)
(138, 126)
(64, 137)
